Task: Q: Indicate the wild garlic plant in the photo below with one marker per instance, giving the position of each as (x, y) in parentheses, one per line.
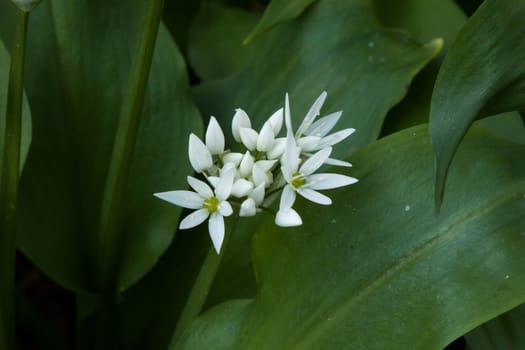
(269, 164)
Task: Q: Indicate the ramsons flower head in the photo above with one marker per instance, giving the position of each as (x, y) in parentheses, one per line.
(268, 164)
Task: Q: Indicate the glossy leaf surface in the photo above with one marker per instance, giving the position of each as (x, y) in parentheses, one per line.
(483, 74)
(84, 52)
(278, 11)
(504, 332)
(379, 269)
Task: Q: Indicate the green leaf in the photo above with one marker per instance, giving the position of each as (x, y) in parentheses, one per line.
(378, 269)
(365, 72)
(219, 30)
(483, 74)
(221, 325)
(504, 332)
(82, 53)
(425, 20)
(278, 11)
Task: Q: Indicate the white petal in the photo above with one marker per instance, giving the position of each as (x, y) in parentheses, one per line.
(240, 120)
(242, 188)
(216, 229)
(246, 166)
(249, 138)
(337, 162)
(214, 180)
(290, 161)
(329, 181)
(266, 138)
(258, 194)
(265, 165)
(314, 162)
(312, 114)
(287, 116)
(248, 208)
(259, 176)
(324, 125)
(279, 145)
(308, 143)
(288, 218)
(314, 196)
(225, 208)
(232, 157)
(227, 167)
(185, 199)
(224, 187)
(276, 121)
(194, 219)
(214, 137)
(201, 187)
(335, 138)
(199, 154)
(287, 198)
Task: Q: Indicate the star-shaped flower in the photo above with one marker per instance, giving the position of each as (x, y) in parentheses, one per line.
(302, 180)
(312, 135)
(208, 203)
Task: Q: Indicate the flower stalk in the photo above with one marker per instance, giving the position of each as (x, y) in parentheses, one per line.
(199, 292)
(124, 146)
(9, 182)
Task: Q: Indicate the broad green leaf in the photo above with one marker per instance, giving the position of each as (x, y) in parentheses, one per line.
(221, 325)
(483, 74)
(218, 31)
(278, 11)
(83, 54)
(425, 20)
(178, 16)
(509, 125)
(364, 71)
(150, 309)
(379, 269)
(503, 332)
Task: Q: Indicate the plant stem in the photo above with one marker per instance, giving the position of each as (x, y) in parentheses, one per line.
(110, 235)
(9, 181)
(199, 292)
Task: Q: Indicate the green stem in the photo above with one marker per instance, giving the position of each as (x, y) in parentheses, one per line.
(9, 180)
(110, 235)
(199, 292)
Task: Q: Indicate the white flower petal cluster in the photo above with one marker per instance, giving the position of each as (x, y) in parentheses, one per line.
(267, 165)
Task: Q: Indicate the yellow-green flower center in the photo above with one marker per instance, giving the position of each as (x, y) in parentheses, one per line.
(212, 204)
(298, 180)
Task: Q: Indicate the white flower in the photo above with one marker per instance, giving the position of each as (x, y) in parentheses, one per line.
(199, 154)
(312, 136)
(303, 181)
(214, 137)
(265, 139)
(255, 198)
(208, 203)
(240, 120)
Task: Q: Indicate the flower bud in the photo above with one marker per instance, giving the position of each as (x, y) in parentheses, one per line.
(240, 120)
(200, 157)
(214, 137)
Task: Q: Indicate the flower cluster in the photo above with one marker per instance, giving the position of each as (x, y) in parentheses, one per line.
(268, 165)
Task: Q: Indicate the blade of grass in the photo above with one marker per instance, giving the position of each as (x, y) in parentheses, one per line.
(9, 180)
